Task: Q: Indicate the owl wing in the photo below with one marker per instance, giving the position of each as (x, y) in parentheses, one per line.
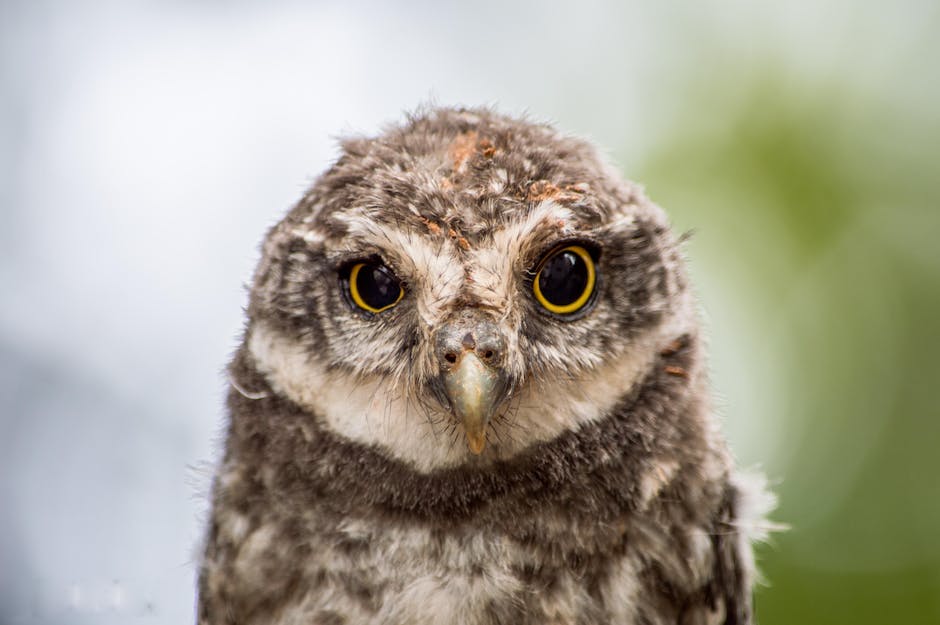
(732, 583)
(726, 600)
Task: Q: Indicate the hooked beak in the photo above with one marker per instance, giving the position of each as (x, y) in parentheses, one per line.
(474, 390)
(471, 351)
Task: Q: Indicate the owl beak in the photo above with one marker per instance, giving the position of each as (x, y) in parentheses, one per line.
(471, 351)
(474, 390)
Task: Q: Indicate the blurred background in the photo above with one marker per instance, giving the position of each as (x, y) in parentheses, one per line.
(146, 146)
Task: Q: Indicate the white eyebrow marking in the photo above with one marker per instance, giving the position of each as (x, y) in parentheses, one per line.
(493, 268)
(434, 264)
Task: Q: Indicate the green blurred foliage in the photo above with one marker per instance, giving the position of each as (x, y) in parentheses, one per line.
(816, 206)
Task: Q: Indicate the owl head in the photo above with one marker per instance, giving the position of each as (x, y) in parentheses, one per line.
(464, 286)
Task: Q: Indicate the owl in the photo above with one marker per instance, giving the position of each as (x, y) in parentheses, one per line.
(472, 390)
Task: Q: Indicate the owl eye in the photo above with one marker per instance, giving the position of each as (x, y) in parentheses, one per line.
(565, 280)
(373, 287)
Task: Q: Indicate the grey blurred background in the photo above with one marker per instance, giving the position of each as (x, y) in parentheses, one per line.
(146, 146)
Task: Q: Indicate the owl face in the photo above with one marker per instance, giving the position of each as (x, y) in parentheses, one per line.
(462, 287)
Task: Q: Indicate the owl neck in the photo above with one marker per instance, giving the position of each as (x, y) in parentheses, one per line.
(656, 436)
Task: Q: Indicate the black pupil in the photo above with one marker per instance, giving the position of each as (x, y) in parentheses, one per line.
(377, 287)
(563, 278)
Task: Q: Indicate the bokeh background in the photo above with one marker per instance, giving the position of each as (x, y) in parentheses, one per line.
(146, 146)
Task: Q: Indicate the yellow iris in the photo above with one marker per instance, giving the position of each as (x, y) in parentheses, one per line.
(545, 298)
(375, 301)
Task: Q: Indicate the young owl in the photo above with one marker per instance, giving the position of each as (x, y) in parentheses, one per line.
(471, 390)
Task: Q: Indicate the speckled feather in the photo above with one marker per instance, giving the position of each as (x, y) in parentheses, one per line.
(605, 493)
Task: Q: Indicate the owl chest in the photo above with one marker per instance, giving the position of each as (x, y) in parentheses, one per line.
(368, 571)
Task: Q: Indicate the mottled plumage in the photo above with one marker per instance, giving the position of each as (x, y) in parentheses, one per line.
(350, 491)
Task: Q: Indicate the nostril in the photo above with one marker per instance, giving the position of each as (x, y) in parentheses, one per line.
(468, 334)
